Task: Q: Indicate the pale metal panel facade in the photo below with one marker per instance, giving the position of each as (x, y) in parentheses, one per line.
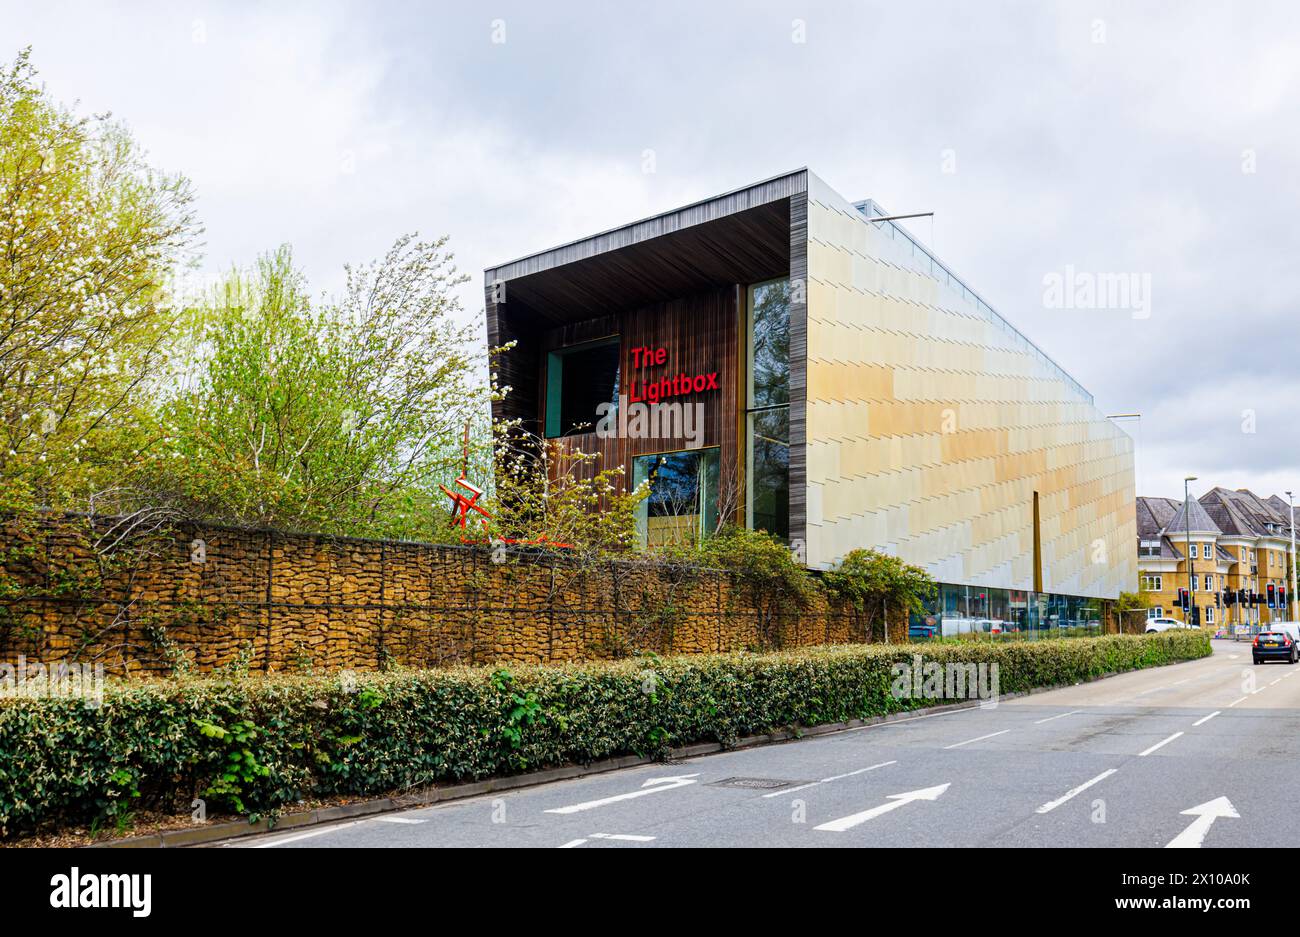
(930, 423)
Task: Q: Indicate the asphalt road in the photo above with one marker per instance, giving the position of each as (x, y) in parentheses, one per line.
(1116, 762)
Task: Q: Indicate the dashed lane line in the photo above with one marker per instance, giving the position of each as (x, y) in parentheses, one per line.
(1159, 745)
(1074, 792)
(834, 777)
(1073, 712)
(978, 739)
(1205, 719)
(293, 839)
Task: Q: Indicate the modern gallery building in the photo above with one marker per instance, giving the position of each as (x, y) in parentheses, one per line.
(775, 357)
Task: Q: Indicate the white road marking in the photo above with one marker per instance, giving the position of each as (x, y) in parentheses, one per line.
(1073, 792)
(1206, 814)
(1072, 712)
(398, 820)
(1236, 701)
(623, 836)
(626, 837)
(834, 777)
(1233, 656)
(308, 835)
(980, 739)
(1205, 719)
(653, 786)
(1159, 745)
(893, 802)
(1278, 680)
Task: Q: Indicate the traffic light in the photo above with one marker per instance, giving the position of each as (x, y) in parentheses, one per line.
(1196, 616)
(1182, 599)
(1272, 596)
(1229, 597)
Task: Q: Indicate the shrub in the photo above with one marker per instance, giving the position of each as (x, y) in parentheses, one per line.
(256, 744)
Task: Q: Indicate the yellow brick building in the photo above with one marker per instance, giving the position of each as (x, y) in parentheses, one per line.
(1237, 545)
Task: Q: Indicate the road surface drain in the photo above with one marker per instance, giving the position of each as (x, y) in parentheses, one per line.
(754, 784)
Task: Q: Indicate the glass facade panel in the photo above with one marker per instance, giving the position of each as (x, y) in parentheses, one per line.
(984, 611)
(683, 501)
(769, 471)
(769, 345)
(767, 416)
(578, 381)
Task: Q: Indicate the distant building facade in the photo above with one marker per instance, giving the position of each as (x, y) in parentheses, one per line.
(1236, 546)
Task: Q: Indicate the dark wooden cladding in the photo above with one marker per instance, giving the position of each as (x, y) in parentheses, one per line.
(799, 369)
(699, 334)
(679, 220)
(518, 369)
(744, 248)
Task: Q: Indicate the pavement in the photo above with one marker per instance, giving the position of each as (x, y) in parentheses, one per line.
(1204, 753)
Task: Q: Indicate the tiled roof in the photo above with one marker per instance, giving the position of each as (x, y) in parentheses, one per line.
(1240, 513)
(1200, 521)
(1230, 516)
(1283, 509)
(1153, 514)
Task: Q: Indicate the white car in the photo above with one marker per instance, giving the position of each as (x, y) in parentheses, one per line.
(1156, 625)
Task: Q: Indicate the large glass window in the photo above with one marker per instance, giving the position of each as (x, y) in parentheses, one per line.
(683, 501)
(767, 405)
(578, 380)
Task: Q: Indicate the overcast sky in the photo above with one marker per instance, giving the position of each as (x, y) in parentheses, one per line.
(1154, 139)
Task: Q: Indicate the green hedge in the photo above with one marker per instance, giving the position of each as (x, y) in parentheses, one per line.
(256, 744)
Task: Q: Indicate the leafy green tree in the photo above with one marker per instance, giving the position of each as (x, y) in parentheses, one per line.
(867, 576)
(338, 416)
(89, 237)
(1132, 601)
(870, 582)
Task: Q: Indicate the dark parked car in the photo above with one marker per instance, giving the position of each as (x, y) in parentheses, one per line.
(1274, 645)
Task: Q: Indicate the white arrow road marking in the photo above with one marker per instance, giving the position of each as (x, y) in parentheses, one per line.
(1074, 792)
(834, 777)
(1206, 814)
(626, 837)
(980, 739)
(653, 786)
(1073, 712)
(1160, 744)
(1205, 719)
(893, 802)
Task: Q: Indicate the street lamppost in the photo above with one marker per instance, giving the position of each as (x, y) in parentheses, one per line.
(1290, 573)
(1187, 526)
